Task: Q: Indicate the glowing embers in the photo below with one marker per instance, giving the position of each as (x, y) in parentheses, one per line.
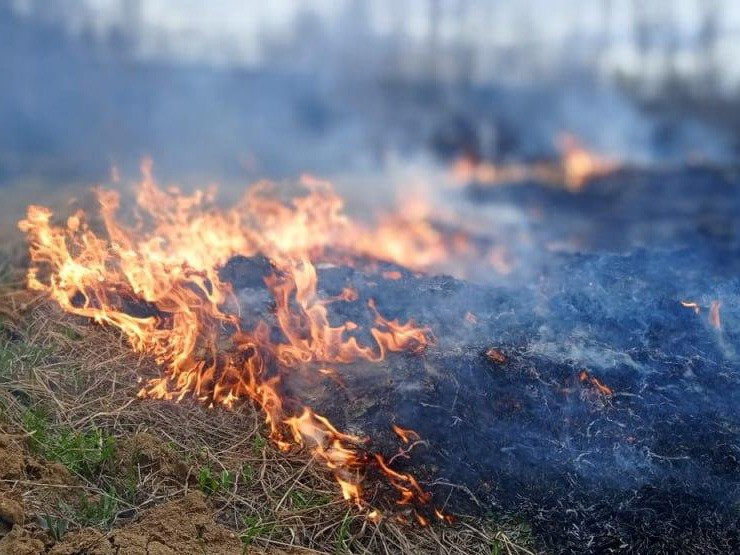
(158, 282)
(496, 356)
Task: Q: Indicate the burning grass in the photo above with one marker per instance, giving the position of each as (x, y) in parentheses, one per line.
(91, 456)
(592, 401)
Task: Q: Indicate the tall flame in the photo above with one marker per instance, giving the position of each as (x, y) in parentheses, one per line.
(158, 282)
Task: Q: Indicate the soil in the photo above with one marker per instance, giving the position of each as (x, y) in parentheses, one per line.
(148, 453)
(182, 526)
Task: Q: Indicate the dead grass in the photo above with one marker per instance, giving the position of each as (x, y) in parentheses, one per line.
(69, 388)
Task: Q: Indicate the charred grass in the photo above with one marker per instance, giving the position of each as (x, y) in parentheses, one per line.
(96, 460)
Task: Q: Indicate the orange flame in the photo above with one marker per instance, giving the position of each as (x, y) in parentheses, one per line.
(406, 435)
(576, 167)
(158, 282)
(579, 165)
(714, 318)
(605, 390)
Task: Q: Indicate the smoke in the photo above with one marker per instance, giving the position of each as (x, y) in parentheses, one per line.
(78, 103)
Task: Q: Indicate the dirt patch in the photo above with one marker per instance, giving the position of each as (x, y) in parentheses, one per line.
(145, 453)
(181, 526)
(21, 542)
(12, 467)
(12, 458)
(178, 527)
(17, 464)
(19, 473)
(87, 541)
(11, 510)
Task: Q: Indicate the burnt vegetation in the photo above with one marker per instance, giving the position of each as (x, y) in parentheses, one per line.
(590, 410)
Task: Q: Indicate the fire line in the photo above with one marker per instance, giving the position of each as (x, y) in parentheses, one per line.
(168, 262)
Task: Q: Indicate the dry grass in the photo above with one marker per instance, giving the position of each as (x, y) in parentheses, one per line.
(71, 388)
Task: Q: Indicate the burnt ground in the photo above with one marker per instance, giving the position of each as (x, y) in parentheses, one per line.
(650, 463)
(519, 438)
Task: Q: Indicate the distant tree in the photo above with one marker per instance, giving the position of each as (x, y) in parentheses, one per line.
(708, 39)
(464, 49)
(433, 49)
(642, 28)
(605, 44)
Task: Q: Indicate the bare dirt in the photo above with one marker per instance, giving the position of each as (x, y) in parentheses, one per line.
(178, 527)
(185, 525)
(182, 526)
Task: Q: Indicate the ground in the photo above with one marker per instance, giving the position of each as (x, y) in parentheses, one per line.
(87, 468)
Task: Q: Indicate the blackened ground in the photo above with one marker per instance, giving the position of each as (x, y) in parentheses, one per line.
(653, 467)
(692, 206)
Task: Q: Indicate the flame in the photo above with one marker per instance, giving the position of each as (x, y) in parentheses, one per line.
(466, 170)
(406, 435)
(605, 390)
(714, 312)
(714, 318)
(580, 165)
(496, 356)
(158, 282)
(406, 484)
(576, 167)
(409, 238)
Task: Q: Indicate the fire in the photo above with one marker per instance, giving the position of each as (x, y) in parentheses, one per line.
(409, 236)
(577, 165)
(158, 282)
(605, 390)
(714, 312)
(496, 356)
(406, 435)
(466, 170)
(714, 318)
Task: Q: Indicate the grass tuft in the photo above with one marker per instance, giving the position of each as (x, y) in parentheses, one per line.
(82, 452)
(254, 527)
(100, 511)
(55, 525)
(211, 482)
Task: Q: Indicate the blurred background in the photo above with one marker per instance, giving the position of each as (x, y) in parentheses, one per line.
(229, 89)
